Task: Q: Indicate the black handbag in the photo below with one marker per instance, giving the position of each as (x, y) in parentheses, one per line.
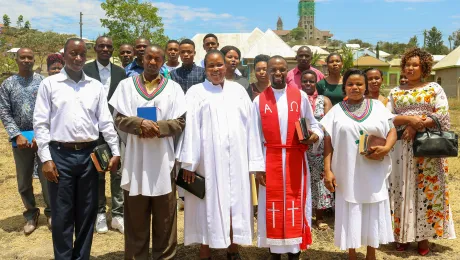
(197, 188)
(436, 144)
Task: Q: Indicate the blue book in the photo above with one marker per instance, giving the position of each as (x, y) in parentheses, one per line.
(149, 113)
(27, 134)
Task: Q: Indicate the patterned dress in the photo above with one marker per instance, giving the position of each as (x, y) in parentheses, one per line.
(321, 197)
(419, 191)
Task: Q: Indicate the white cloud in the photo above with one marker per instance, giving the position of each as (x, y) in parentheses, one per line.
(58, 15)
(411, 1)
(409, 9)
(174, 15)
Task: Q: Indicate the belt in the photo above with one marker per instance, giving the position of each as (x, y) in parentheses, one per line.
(75, 146)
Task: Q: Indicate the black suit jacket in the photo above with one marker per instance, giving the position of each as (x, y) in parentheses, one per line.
(117, 74)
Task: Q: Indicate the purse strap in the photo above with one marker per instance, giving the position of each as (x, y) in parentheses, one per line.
(436, 121)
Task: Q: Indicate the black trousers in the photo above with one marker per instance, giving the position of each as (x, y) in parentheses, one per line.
(74, 200)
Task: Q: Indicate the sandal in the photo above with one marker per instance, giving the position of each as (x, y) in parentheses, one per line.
(233, 256)
(321, 225)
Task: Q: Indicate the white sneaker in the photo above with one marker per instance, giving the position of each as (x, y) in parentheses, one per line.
(119, 224)
(180, 204)
(101, 224)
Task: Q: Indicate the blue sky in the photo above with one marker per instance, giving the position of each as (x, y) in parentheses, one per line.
(369, 20)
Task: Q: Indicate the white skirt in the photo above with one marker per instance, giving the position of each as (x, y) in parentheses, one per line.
(362, 224)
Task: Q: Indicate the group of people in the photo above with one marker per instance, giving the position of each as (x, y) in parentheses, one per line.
(213, 124)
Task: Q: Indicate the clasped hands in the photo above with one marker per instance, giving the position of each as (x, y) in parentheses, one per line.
(149, 129)
(415, 124)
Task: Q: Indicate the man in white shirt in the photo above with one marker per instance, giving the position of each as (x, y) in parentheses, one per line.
(70, 111)
(110, 76)
(148, 166)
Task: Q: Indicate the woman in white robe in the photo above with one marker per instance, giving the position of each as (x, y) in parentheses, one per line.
(221, 144)
(362, 213)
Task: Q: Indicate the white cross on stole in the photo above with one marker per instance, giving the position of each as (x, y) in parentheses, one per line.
(273, 210)
(292, 209)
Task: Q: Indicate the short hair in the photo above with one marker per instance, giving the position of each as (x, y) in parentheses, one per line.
(371, 69)
(304, 47)
(210, 35)
(277, 57)
(333, 54)
(53, 58)
(351, 72)
(103, 36)
(211, 52)
(159, 48)
(74, 39)
(260, 58)
(171, 41)
(228, 48)
(126, 44)
(187, 41)
(309, 72)
(426, 60)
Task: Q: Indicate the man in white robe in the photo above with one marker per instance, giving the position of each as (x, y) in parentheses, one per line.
(283, 106)
(148, 167)
(221, 144)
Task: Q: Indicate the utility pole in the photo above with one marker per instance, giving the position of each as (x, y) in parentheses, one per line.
(81, 25)
(424, 39)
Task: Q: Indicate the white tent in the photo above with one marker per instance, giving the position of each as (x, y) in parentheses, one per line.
(353, 46)
(242, 41)
(270, 44)
(452, 60)
(314, 49)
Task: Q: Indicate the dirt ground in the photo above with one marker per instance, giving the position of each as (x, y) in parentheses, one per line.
(14, 245)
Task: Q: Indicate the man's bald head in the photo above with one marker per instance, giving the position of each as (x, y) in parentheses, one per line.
(139, 47)
(24, 50)
(156, 48)
(153, 60)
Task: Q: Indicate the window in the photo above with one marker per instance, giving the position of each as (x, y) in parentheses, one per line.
(438, 80)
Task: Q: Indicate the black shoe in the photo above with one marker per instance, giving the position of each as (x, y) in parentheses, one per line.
(233, 256)
(294, 256)
(275, 256)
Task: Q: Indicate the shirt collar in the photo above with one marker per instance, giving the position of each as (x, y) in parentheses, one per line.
(62, 76)
(133, 65)
(101, 67)
(154, 81)
(189, 68)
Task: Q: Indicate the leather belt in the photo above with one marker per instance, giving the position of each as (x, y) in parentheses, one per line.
(75, 146)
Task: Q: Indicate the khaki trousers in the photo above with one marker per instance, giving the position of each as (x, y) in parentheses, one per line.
(140, 213)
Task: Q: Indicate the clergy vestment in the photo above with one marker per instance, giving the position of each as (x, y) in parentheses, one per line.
(284, 213)
(221, 144)
(362, 207)
(147, 172)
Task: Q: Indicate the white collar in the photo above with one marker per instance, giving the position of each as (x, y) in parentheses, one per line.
(62, 76)
(101, 67)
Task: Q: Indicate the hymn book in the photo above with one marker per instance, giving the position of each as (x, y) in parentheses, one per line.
(303, 129)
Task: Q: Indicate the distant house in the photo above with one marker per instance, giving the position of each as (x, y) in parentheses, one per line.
(448, 73)
(365, 62)
(383, 56)
(353, 46)
(12, 52)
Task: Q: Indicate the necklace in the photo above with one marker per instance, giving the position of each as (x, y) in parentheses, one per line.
(358, 112)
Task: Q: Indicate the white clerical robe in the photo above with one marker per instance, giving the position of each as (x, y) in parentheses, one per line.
(220, 143)
(148, 162)
(306, 112)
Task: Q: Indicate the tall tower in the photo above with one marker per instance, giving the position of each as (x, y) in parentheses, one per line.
(306, 14)
(279, 24)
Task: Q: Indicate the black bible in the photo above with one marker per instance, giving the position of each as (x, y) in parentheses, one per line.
(197, 188)
(102, 156)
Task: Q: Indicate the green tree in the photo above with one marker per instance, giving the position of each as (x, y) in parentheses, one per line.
(347, 58)
(455, 39)
(413, 42)
(6, 20)
(7, 64)
(27, 25)
(42, 43)
(297, 33)
(129, 19)
(377, 51)
(336, 43)
(434, 42)
(20, 21)
(360, 42)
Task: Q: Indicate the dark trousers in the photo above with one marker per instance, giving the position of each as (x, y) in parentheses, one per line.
(24, 160)
(74, 202)
(158, 213)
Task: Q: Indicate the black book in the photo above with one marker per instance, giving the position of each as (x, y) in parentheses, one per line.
(102, 154)
(197, 188)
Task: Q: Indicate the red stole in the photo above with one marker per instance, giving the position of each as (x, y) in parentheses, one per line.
(285, 209)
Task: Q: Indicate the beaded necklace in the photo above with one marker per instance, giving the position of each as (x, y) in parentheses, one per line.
(352, 112)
